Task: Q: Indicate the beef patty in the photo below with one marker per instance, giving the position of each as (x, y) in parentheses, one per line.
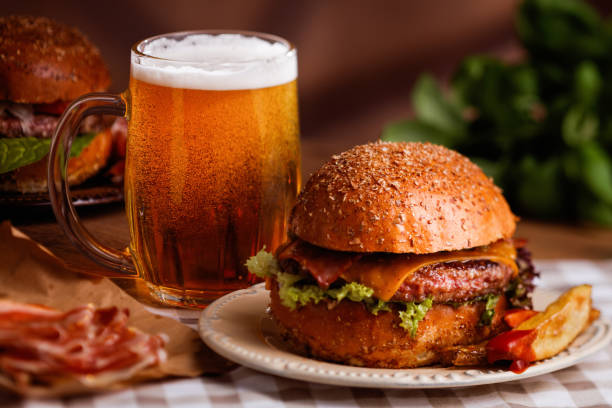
(454, 281)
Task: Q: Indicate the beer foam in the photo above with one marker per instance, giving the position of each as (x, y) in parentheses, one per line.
(215, 62)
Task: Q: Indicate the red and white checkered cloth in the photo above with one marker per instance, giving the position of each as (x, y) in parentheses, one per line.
(587, 384)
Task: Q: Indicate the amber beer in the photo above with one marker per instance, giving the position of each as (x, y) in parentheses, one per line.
(212, 166)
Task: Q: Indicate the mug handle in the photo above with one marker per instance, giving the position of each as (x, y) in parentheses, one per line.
(119, 262)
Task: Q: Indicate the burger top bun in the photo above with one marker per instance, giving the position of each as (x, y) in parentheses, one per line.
(43, 61)
(403, 198)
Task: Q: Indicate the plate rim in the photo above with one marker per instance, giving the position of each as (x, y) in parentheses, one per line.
(302, 368)
(81, 197)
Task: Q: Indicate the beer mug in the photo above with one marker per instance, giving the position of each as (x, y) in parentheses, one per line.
(212, 165)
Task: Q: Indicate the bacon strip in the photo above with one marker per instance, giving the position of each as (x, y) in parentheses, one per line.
(37, 343)
(324, 265)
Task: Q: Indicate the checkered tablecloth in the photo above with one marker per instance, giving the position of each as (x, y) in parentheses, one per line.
(587, 384)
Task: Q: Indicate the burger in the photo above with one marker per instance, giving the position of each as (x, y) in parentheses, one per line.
(44, 65)
(396, 253)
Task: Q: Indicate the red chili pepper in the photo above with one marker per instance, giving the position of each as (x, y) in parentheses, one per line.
(513, 345)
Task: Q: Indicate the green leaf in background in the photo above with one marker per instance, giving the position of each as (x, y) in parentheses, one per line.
(524, 79)
(416, 131)
(493, 169)
(501, 94)
(541, 128)
(579, 126)
(562, 29)
(587, 83)
(539, 192)
(571, 167)
(478, 82)
(524, 88)
(605, 134)
(19, 152)
(596, 170)
(431, 107)
(594, 210)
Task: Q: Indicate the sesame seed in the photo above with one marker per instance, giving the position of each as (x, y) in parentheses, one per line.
(355, 241)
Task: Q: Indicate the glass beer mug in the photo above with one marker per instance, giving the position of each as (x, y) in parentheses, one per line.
(212, 165)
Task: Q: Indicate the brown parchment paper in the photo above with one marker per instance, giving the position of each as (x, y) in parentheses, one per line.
(30, 273)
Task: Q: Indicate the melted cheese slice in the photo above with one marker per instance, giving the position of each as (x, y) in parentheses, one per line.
(386, 275)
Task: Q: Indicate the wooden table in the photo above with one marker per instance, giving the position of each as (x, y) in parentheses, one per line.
(109, 225)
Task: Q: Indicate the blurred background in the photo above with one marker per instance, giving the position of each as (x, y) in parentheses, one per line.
(359, 61)
(357, 58)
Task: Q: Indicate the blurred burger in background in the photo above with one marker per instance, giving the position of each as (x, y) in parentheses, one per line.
(44, 66)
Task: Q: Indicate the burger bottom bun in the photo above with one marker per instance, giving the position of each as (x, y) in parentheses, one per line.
(33, 177)
(350, 334)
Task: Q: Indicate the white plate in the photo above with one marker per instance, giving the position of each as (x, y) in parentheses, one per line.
(238, 327)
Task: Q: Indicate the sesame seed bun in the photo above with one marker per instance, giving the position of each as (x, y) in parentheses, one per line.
(401, 198)
(43, 61)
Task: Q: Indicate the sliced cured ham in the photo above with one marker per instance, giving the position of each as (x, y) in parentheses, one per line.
(39, 344)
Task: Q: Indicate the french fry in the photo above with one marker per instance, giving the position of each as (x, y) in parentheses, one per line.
(547, 333)
(561, 322)
(594, 315)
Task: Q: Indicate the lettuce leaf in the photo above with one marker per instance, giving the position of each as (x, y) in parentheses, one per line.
(294, 294)
(354, 291)
(414, 313)
(263, 264)
(291, 296)
(21, 151)
(377, 306)
(18, 152)
(81, 142)
(487, 315)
